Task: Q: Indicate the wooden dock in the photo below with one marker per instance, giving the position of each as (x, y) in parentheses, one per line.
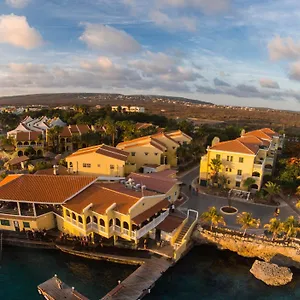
(55, 289)
(141, 281)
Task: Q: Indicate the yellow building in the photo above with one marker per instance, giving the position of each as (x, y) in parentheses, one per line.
(156, 149)
(252, 155)
(99, 160)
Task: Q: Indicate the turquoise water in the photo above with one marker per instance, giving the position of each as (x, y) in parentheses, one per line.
(22, 269)
(207, 273)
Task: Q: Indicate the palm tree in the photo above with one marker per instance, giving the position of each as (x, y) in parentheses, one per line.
(290, 226)
(110, 129)
(248, 182)
(53, 136)
(215, 166)
(128, 129)
(222, 180)
(272, 189)
(213, 217)
(247, 221)
(275, 226)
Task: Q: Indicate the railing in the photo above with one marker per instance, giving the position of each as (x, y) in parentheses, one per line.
(80, 225)
(89, 226)
(111, 229)
(125, 231)
(68, 219)
(9, 211)
(151, 225)
(102, 228)
(238, 178)
(117, 228)
(74, 222)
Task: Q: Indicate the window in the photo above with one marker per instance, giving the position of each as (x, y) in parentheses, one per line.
(146, 153)
(241, 159)
(173, 148)
(132, 153)
(239, 172)
(5, 222)
(155, 154)
(85, 165)
(230, 170)
(228, 158)
(26, 224)
(237, 183)
(218, 156)
(112, 167)
(228, 181)
(226, 169)
(231, 158)
(99, 166)
(71, 164)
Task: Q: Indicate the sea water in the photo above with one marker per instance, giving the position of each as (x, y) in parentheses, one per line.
(204, 273)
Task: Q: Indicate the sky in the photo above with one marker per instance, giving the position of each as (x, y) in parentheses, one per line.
(229, 52)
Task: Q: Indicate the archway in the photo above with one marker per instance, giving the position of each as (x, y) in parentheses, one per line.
(125, 225)
(26, 144)
(73, 216)
(20, 153)
(95, 220)
(39, 153)
(254, 186)
(32, 143)
(256, 174)
(67, 213)
(80, 219)
(268, 166)
(88, 220)
(110, 222)
(118, 222)
(102, 223)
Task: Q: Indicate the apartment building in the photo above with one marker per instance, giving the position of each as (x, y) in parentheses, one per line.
(128, 108)
(251, 155)
(156, 149)
(101, 160)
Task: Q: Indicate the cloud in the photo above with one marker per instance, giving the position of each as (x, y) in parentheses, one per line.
(15, 30)
(109, 39)
(182, 23)
(206, 6)
(269, 83)
(294, 72)
(27, 68)
(17, 3)
(219, 82)
(283, 48)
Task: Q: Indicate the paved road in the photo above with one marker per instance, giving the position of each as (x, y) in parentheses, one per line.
(202, 202)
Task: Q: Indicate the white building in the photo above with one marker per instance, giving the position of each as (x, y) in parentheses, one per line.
(129, 108)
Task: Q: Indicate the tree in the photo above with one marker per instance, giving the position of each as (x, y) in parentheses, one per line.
(29, 151)
(215, 166)
(213, 217)
(272, 189)
(246, 221)
(291, 227)
(53, 136)
(222, 181)
(110, 129)
(127, 128)
(248, 182)
(275, 227)
(298, 204)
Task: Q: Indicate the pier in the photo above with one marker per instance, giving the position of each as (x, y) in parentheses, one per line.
(141, 281)
(55, 289)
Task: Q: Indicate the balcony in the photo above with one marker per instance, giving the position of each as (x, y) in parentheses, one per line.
(117, 229)
(144, 230)
(238, 177)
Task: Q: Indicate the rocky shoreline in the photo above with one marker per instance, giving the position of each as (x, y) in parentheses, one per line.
(275, 253)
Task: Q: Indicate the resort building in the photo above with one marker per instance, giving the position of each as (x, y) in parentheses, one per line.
(29, 135)
(70, 137)
(252, 155)
(86, 206)
(128, 108)
(156, 149)
(101, 160)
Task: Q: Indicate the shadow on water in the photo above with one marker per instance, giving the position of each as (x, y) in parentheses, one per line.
(23, 269)
(208, 273)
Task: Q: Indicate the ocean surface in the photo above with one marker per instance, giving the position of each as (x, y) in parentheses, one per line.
(205, 273)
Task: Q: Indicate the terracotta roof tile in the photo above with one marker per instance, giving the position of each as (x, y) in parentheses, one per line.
(9, 178)
(83, 128)
(61, 171)
(43, 188)
(65, 132)
(150, 212)
(28, 136)
(153, 182)
(103, 195)
(262, 133)
(233, 146)
(103, 150)
(170, 223)
(18, 160)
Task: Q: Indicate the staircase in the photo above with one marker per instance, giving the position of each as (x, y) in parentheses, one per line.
(192, 216)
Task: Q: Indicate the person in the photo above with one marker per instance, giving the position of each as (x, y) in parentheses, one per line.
(277, 211)
(145, 243)
(172, 208)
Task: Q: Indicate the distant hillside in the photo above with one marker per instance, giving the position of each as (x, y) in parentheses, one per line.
(88, 98)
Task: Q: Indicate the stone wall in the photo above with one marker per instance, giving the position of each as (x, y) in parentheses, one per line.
(280, 252)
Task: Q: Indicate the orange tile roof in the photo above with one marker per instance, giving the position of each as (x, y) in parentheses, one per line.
(178, 133)
(44, 188)
(264, 133)
(18, 160)
(150, 212)
(9, 178)
(103, 149)
(161, 184)
(170, 223)
(61, 171)
(65, 132)
(27, 136)
(234, 146)
(103, 195)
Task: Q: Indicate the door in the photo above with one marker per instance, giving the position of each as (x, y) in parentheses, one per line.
(17, 226)
(157, 235)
